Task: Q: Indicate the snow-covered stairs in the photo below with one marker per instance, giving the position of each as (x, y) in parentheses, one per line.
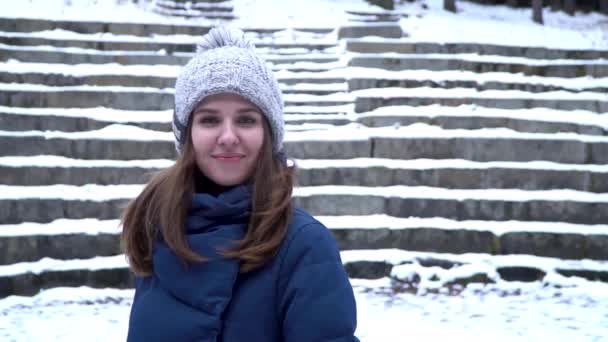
(428, 148)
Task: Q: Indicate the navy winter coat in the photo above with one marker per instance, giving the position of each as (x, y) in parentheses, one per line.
(302, 294)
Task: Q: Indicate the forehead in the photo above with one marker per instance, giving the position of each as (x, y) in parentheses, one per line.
(226, 100)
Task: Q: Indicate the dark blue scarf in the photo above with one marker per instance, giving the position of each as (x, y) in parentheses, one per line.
(213, 224)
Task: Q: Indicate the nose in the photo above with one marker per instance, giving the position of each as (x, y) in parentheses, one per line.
(228, 135)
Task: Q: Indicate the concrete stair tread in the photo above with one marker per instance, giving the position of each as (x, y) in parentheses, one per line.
(101, 193)
(30, 241)
(341, 222)
(450, 173)
(390, 256)
(108, 41)
(314, 164)
(356, 75)
(37, 54)
(369, 99)
(341, 142)
(444, 269)
(143, 28)
(412, 45)
(473, 57)
(351, 132)
(574, 117)
(228, 5)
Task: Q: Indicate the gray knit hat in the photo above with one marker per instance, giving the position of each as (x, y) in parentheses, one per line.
(226, 62)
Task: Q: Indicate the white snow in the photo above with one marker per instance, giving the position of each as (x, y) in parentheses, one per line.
(423, 192)
(49, 264)
(94, 192)
(380, 221)
(62, 227)
(350, 132)
(497, 228)
(577, 117)
(547, 264)
(409, 164)
(473, 57)
(60, 34)
(428, 92)
(95, 113)
(171, 71)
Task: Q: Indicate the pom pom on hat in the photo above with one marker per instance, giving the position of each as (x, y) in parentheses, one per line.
(223, 36)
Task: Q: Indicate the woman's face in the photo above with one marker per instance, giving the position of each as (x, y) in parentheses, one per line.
(227, 137)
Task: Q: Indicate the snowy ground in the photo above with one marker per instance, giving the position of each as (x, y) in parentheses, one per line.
(521, 312)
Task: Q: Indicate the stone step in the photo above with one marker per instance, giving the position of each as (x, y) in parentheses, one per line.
(406, 46)
(192, 13)
(371, 16)
(437, 270)
(161, 82)
(109, 143)
(479, 63)
(27, 279)
(163, 76)
(479, 81)
(378, 29)
(170, 44)
(136, 29)
(536, 120)
(472, 117)
(90, 119)
(449, 174)
(342, 142)
(49, 203)
(370, 99)
(40, 54)
(129, 98)
(65, 239)
(225, 6)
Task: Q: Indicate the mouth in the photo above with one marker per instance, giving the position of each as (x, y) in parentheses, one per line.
(228, 157)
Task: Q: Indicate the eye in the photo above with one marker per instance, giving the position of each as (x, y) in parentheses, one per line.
(208, 120)
(247, 120)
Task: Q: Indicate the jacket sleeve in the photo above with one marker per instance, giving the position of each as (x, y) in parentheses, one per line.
(317, 303)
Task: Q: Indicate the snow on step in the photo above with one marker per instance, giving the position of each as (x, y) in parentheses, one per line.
(548, 264)
(62, 227)
(379, 221)
(311, 164)
(60, 34)
(350, 132)
(100, 193)
(578, 117)
(578, 83)
(392, 256)
(498, 228)
(335, 97)
(95, 113)
(48, 264)
(456, 93)
(473, 57)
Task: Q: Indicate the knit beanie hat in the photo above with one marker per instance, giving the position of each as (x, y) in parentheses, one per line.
(226, 62)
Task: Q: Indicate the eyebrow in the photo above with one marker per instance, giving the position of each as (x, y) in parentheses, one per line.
(215, 111)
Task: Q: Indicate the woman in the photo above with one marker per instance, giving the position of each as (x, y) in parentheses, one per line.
(218, 251)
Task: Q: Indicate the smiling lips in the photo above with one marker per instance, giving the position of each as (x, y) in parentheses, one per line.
(228, 157)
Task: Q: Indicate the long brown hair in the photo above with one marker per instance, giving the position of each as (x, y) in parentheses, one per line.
(162, 207)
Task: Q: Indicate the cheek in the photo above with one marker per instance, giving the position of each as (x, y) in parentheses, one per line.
(201, 141)
(257, 140)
